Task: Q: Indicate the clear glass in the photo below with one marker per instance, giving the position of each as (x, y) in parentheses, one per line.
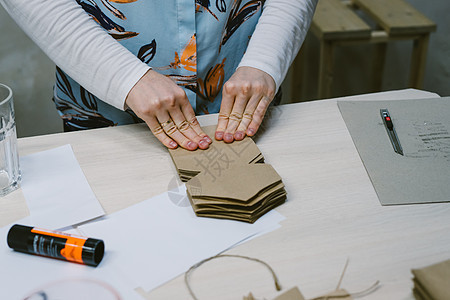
(9, 156)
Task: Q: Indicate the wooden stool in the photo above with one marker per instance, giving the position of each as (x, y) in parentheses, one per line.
(336, 23)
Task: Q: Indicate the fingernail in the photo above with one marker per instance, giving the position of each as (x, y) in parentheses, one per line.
(228, 137)
(207, 139)
(192, 145)
(250, 131)
(239, 135)
(172, 144)
(219, 135)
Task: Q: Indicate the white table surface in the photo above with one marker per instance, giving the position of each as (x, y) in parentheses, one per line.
(332, 212)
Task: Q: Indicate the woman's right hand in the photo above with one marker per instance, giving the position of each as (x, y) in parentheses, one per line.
(166, 110)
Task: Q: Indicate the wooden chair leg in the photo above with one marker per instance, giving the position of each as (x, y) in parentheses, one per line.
(418, 60)
(378, 66)
(325, 69)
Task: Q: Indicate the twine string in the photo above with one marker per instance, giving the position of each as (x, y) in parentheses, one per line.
(364, 292)
(342, 275)
(197, 265)
(367, 291)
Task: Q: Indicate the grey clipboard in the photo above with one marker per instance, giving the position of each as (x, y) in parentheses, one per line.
(422, 174)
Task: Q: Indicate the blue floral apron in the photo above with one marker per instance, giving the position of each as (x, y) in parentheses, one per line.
(197, 43)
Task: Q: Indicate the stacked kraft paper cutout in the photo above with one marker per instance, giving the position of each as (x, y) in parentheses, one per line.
(432, 282)
(229, 181)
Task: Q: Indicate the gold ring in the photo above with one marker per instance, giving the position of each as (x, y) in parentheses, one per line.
(164, 124)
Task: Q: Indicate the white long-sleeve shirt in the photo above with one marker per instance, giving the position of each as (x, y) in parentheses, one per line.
(88, 54)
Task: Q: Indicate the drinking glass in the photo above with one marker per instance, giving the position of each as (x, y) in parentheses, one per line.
(9, 157)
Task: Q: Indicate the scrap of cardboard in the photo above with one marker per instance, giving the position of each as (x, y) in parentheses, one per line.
(432, 282)
(217, 157)
(229, 181)
(292, 294)
(235, 183)
(340, 294)
(420, 292)
(242, 192)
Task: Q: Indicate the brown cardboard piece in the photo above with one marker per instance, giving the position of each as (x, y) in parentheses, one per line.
(218, 157)
(432, 282)
(340, 294)
(228, 180)
(292, 294)
(243, 192)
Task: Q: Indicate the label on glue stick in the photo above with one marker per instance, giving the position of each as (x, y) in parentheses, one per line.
(58, 244)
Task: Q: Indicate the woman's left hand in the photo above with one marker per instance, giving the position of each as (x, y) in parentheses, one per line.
(245, 99)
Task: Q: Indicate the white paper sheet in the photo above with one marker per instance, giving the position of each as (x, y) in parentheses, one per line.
(158, 239)
(22, 274)
(56, 190)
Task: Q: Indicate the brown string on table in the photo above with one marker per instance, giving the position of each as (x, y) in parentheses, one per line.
(191, 269)
(369, 290)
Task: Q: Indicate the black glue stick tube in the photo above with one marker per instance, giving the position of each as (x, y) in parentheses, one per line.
(56, 244)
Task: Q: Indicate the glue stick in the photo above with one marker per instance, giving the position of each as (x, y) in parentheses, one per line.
(56, 244)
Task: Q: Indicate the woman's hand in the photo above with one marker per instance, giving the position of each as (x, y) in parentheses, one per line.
(245, 99)
(165, 108)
